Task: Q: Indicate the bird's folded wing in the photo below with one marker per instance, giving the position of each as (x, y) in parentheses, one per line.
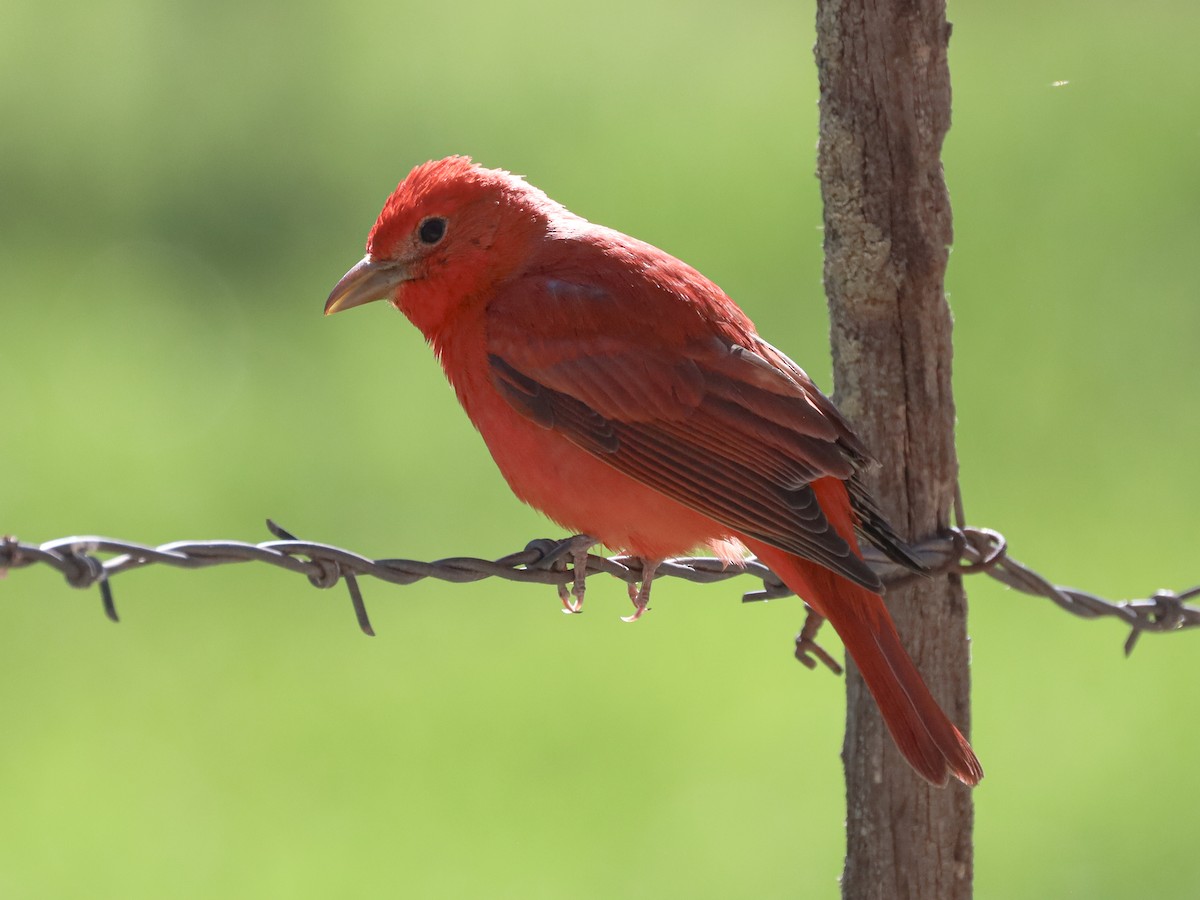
(697, 413)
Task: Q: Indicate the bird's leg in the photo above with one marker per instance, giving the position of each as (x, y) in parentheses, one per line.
(572, 602)
(640, 594)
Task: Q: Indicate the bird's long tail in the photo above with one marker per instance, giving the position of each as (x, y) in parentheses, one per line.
(922, 732)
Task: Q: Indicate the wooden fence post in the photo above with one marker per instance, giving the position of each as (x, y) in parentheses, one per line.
(885, 109)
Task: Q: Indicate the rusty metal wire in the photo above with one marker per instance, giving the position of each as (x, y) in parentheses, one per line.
(962, 551)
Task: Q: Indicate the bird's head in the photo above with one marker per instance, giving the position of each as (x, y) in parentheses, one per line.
(449, 231)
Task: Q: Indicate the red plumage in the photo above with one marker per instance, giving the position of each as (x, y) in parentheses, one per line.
(627, 397)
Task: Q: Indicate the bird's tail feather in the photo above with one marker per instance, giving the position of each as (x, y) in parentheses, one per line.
(921, 730)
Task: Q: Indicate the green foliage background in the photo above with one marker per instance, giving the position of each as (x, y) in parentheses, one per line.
(182, 184)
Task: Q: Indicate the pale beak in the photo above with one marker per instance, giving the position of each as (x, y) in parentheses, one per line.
(369, 280)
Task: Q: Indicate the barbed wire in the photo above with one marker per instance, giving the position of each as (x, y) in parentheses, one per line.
(963, 551)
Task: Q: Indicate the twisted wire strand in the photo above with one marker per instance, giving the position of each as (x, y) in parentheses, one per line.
(963, 551)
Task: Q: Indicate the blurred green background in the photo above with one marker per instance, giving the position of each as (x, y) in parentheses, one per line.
(181, 185)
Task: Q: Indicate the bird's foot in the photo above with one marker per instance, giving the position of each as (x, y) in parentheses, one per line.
(639, 594)
(807, 647)
(572, 600)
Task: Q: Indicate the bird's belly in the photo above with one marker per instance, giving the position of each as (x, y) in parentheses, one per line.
(586, 495)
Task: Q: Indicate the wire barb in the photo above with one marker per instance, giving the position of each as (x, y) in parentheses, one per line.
(330, 573)
(962, 551)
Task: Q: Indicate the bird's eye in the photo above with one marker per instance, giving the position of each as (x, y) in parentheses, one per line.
(431, 230)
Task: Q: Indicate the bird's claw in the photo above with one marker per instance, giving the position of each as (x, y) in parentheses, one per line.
(568, 602)
(572, 600)
(639, 594)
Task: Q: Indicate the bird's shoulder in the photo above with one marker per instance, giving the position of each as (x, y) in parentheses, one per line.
(590, 277)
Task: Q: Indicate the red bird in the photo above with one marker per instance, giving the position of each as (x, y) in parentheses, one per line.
(628, 398)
